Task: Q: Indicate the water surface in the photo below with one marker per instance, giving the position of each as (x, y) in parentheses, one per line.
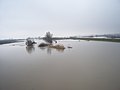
(87, 66)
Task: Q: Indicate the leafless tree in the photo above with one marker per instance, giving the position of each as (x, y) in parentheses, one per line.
(48, 37)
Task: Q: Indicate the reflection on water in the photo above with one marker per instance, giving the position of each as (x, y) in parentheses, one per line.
(59, 50)
(49, 50)
(30, 49)
(42, 48)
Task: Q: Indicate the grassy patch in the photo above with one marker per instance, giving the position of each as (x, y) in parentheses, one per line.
(101, 39)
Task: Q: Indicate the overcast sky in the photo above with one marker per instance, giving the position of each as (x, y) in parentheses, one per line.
(24, 18)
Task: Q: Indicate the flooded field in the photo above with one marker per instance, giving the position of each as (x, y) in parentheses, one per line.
(86, 66)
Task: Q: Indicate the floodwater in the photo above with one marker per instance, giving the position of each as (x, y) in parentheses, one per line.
(88, 65)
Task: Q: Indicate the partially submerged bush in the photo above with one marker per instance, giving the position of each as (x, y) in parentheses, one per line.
(43, 45)
(30, 42)
(69, 47)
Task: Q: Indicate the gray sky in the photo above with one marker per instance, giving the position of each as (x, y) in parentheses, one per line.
(24, 18)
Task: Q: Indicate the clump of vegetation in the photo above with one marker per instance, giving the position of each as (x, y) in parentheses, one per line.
(30, 42)
(43, 45)
(48, 38)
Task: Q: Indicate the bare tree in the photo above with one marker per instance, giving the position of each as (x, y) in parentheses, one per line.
(48, 37)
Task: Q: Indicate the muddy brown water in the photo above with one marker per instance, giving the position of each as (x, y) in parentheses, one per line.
(86, 66)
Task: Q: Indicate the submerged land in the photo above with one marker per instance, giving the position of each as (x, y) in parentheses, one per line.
(75, 61)
(99, 39)
(7, 41)
(47, 68)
